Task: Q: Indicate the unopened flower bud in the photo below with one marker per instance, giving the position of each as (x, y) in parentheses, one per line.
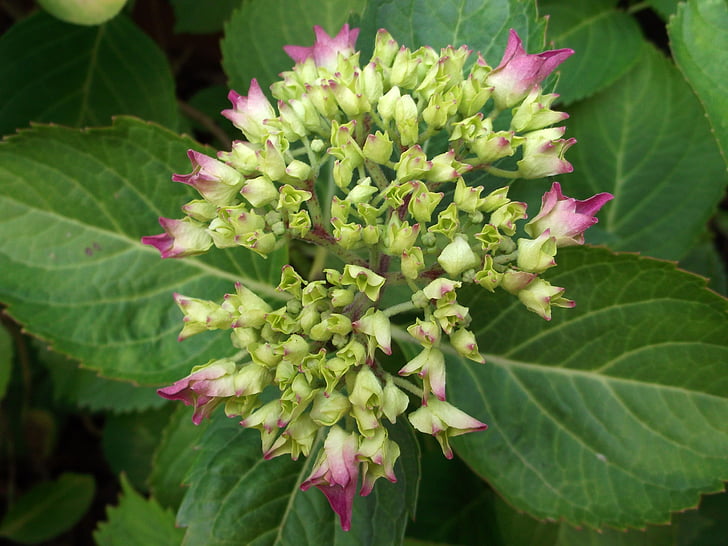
(457, 257)
(537, 255)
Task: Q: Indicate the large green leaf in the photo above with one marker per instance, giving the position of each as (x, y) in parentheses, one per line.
(80, 76)
(699, 42)
(48, 509)
(137, 521)
(252, 49)
(74, 206)
(616, 412)
(175, 453)
(482, 25)
(202, 17)
(606, 43)
(645, 139)
(236, 497)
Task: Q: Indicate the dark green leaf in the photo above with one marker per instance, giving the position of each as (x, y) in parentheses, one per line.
(704, 259)
(6, 360)
(606, 42)
(236, 497)
(198, 17)
(75, 204)
(129, 441)
(699, 42)
(137, 521)
(256, 33)
(616, 412)
(174, 456)
(664, 7)
(645, 140)
(80, 76)
(86, 389)
(482, 25)
(49, 509)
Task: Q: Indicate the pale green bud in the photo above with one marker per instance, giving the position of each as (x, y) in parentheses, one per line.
(333, 324)
(297, 172)
(259, 191)
(412, 262)
(505, 217)
(200, 210)
(537, 255)
(323, 100)
(328, 410)
(341, 297)
(270, 159)
(489, 238)
(399, 236)
(535, 112)
(423, 202)
(464, 342)
(308, 318)
(352, 104)
(342, 172)
(440, 288)
(259, 242)
(488, 277)
(439, 109)
(242, 157)
(362, 191)
(252, 379)
(405, 69)
(379, 455)
(370, 235)
(495, 146)
(471, 128)
(313, 292)
(241, 337)
(450, 315)
(445, 168)
(346, 235)
(385, 48)
(457, 257)
(514, 281)
(290, 198)
(280, 321)
(378, 148)
(297, 439)
(375, 323)
(366, 281)
(495, 199)
(367, 420)
(247, 306)
(201, 315)
(405, 119)
(370, 83)
(448, 222)
(467, 198)
(426, 332)
(430, 366)
(474, 95)
(240, 406)
(299, 223)
(367, 389)
(395, 194)
(353, 353)
(387, 103)
(265, 354)
(539, 296)
(394, 401)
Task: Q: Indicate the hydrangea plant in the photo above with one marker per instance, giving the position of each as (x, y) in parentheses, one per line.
(403, 135)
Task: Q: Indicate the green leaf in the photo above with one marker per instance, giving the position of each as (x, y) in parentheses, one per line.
(80, 76)
(137, 521)
(237, 497)
(699, 42)
(75, 204)
(6, 360)
(664, 7)
(256, 33)
(616, 412)
(198, 17)
(645, 140)
(482, 25)
(174, 456)
(130, 440)
(86, 389)
(48, 509)
(606, 42)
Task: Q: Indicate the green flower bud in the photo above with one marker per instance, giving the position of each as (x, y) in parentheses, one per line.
(370, 235)
(200, 210)
(353, 353)
(504, 217)
(539, 296)
(280, 321)
(495, 199)
(291, 281)
(495, 146)
(259, 191)
(322, 99)
(430, 366)
(240, 406)
(313, 292)
(464, 342)
(378, 148)
(537, 255)
(366, 281)
(399, 236)
(252, 379)
(297, 172)
(341, 297)
(514, 281)
(375, 324)
(467, 198)
(328, 410)
(247, 306)
(370, 83)
(457, 257)
(270, 159)
(450, 315)
(362, 192)
(423, 202)
(474, 95)
(290, 199)
(387, 104)
(299, 223)
(445, 168)
(412, 164)
(488, 277)
(441, 288)
(412, 262)
(405, 69)
(448, 222)
(427, 332)
(394, 401)
(439, 109)
(385, 48)
(242, 337)
(352, 104)
(296, 440)
(489, 237)
(535, 112)
(346, 235)
(201, 315)
(405, 119)
(265, 354)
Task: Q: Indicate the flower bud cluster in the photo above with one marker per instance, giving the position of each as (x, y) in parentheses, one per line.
(396, 213)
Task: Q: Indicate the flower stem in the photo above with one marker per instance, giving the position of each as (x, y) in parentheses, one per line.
(408, 386)
(399, 308)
